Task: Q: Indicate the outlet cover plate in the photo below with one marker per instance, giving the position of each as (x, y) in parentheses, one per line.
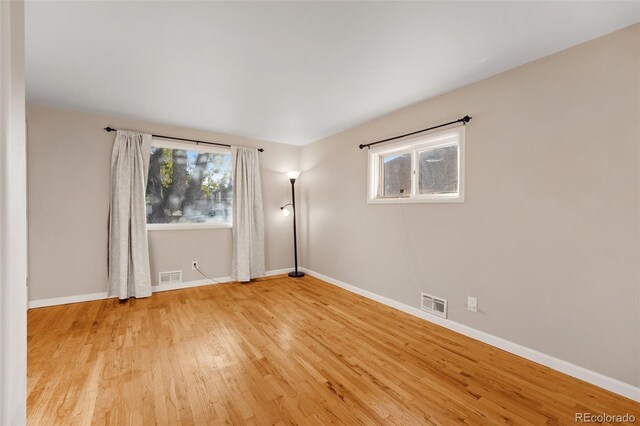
(472, 304)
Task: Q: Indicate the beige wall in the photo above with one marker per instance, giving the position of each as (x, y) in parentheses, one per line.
(69, 158)
(548, 238)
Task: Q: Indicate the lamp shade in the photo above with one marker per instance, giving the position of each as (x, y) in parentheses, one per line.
(293, 174)
(286, 210)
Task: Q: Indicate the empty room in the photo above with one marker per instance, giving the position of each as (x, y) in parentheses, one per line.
(315, 212)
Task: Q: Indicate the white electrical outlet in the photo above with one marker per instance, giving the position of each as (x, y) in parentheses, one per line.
(472, 304)
(194, 265)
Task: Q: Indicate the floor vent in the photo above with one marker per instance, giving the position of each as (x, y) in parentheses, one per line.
(170, 278)
(434, 305)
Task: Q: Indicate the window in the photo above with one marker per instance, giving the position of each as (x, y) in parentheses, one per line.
(189, 186)
(419, 170)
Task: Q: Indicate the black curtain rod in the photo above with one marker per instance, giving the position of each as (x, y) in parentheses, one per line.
(463, 120)
(197, 142)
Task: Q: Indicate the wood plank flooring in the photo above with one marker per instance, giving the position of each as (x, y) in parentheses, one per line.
(281, 351)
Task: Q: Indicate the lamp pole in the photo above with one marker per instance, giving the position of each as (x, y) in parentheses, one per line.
(295, 273)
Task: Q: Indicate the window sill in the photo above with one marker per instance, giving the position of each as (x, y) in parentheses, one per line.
(180, 226)
(416, 200)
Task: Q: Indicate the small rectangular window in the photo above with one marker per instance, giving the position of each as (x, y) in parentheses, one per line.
(189, 186)
(419, 170)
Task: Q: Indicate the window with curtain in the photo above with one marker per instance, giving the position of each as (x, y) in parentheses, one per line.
(189, 186)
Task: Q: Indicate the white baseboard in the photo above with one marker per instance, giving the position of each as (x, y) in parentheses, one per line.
(277, 272)
(188, 284)
(597, 379)
(41, 303)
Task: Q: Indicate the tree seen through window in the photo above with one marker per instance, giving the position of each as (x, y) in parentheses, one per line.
(188, 186)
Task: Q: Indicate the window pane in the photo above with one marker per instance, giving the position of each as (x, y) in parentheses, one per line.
(438, 170)
(396, 175)
(188, 186)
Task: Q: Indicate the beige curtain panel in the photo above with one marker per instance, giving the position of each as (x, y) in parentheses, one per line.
(129, 273)
(248, 218)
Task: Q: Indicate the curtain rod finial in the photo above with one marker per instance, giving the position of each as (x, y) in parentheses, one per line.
(361, 146)
(110, 129)
(466, 119)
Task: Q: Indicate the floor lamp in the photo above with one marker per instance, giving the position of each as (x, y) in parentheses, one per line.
(293, 175)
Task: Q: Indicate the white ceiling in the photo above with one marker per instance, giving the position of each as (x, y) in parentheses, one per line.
(291, 72)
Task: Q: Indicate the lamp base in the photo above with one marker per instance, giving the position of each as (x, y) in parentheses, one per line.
(295, 274)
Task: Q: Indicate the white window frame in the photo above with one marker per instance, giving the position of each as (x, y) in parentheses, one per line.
(415, 145)
(163, 143)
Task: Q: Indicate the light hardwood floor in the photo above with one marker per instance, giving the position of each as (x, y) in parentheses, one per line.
(281, 351)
